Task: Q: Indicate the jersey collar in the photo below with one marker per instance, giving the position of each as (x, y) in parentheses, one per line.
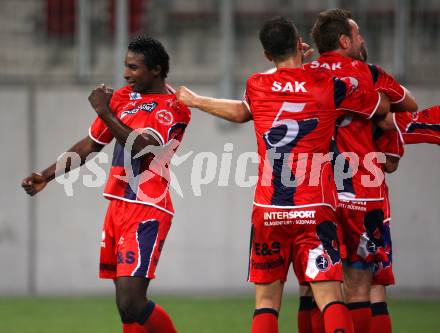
(333, 56)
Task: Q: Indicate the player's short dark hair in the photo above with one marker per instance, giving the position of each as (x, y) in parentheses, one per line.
(153, 51)
(329, 26)
(279, 37)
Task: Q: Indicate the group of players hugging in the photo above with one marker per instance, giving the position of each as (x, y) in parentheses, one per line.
(315, 123)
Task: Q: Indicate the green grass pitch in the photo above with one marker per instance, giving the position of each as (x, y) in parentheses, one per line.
(190, 314)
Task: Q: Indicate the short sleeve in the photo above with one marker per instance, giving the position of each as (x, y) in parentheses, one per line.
(99, 132)
(384, 82)
(247, 95)
(246, 101)
(349, 96)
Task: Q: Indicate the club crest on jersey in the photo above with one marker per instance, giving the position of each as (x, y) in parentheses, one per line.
(164, 117)
(134, 96)
(322, 262)
(295, 86)
(351, 82)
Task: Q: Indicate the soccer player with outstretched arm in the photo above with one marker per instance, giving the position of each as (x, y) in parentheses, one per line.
(294, 110)
(147, 123)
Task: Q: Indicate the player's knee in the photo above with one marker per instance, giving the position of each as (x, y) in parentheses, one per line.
(130, 298)
(267, 302)
(130, 309)
(269, 295)
(125, 309)
(272, 301)
(325, 292)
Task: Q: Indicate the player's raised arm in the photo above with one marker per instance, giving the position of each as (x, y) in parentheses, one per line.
(37, 181)
(232, 110)
(99, 100)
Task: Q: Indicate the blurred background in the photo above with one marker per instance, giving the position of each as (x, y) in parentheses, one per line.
(52, 52)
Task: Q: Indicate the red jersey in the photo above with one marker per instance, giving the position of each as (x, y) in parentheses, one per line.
(143, 179)
(294, 113)
(355, 134)
(419, 127)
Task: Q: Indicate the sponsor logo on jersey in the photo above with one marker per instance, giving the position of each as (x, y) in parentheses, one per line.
(129, 112)
(266, 265)
(322, 262)
(165, 117)
(295, 86)
(267, 249)
(353, 205)
(298, 217)
(147, 107)
(127, 257)
(134, 96)
(302, 214)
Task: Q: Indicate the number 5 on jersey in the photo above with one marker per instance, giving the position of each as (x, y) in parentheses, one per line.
(285, 133)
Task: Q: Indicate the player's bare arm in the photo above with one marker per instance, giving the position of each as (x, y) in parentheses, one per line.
(232, 110)
(391, 164)
(385, 122)
(408, 104)
(37, 181)
(100, 99)
(383, 117)
(384, 105)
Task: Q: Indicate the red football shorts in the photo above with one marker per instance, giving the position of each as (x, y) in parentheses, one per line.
(307, 238)
(362, 229)
(132, 239)
(383, 270)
